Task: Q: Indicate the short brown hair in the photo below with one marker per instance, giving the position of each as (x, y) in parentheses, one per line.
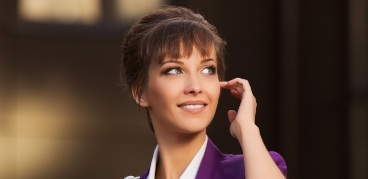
(167, 32)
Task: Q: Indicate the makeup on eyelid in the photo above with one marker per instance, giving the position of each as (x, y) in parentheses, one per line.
(178, 70)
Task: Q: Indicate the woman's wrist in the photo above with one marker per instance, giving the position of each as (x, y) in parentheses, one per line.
(248, 133)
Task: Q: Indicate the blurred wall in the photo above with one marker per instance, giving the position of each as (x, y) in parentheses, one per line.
(63, 115)
(7, 94)
(63, 112)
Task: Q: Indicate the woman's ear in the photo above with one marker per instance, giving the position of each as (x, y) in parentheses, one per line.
(141, 100)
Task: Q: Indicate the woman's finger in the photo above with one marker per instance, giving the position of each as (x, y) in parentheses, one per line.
(236, 94)
(231, 114)
(236, 86)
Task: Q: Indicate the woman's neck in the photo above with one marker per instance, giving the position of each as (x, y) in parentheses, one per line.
(176, 152)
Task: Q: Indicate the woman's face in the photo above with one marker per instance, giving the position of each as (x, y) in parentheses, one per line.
(182, 94)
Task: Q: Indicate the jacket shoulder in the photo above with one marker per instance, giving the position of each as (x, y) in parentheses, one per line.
(279, 161)
(231, 166)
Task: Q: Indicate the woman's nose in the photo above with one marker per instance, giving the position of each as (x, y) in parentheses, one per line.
(193, 85)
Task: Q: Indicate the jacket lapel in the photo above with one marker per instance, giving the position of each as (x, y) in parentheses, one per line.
(144, 175)
(210, 161)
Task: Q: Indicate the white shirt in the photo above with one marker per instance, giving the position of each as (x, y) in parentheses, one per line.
(189, 172)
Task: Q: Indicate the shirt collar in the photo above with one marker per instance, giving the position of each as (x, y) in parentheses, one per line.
(190, 171)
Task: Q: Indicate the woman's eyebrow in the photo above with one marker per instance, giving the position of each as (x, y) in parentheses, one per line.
(207, 60)
(173, 61)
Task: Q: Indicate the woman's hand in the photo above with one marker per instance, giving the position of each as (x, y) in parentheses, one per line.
(257, 161)
(245, 116)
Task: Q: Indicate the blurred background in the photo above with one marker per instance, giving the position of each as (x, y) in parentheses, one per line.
(64, 115)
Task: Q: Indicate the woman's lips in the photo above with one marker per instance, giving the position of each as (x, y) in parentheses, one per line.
(193, 107)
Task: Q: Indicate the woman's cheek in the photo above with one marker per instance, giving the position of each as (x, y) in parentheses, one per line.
(214, 87)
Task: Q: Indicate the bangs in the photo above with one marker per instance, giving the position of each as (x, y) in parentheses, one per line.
(176, 38)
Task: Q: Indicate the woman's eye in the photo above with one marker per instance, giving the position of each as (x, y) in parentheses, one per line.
(173, 71)
(209, 70)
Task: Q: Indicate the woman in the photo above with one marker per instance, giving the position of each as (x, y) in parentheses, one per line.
(173, 63)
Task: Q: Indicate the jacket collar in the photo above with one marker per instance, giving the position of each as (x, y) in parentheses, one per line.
(209, 162)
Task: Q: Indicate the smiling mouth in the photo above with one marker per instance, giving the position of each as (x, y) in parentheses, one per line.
(193, 106)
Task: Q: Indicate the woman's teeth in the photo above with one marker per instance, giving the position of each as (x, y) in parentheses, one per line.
(193, 106)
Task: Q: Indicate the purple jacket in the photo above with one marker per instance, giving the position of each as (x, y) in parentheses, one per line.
(216, 165)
